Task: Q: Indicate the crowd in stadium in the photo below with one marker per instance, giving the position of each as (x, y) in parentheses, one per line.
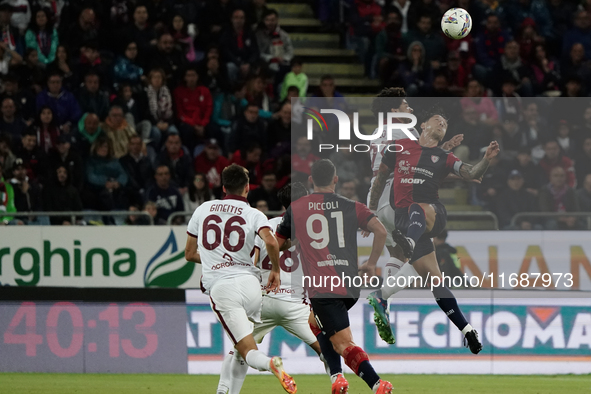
(139, 105)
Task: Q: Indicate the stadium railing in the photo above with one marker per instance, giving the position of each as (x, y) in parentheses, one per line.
(550, 215)
(74, 214)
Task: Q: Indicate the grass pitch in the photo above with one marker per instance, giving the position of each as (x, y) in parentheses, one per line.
(37, 383)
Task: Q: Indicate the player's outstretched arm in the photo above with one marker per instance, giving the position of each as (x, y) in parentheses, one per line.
(455, 141)
(378, 186)
(273, 252)
(476, 171)
(379, 240)
(191, 252)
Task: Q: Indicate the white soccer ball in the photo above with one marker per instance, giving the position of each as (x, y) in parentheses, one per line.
(456, 23)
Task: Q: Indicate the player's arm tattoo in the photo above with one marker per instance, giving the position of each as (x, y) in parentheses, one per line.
(475, 171)
(378, 186)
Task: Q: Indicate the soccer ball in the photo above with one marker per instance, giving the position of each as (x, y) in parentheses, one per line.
(456, 23)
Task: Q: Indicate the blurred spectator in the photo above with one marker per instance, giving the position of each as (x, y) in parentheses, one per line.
(533, 125)
(432, 41)
(554, 158)
(21, 14)
(415, 72)
(558, 196)
(583, 161)
(167, 198)
(10, 34)
(420, 8)
(510, 65)
(545, 76)
(249, 157)
(7, 158)
(88, 130)
(295, 78)
(215, 75)
(7, 200)
(63, 156)
(118, 131)
(256, 94)
(184, 38)
(365, 22)
(32, 72)
(262, 206)
(61, 196)
(455, 73)
(565, 140)
(194, 106)
(513, 200)
(226, 107)
(561, 12)
(401, 8)
(515, 12)
(11, 123)
(106, 178)
(239, 47)
(513, 139)
(63, 104)
(160, 106)
(90, 61)
(8, 58)
(348, 189)
(42, 36)
(22, 98)
(303, 158)
(347, 164)
(198, 193)
(532, 174)
(211, 163)
(274, 45)
(178, 162)
(137, 165)
(584, 194)
(126, 68)
(490, 46)
(528, 38)
(135, 108)
(62, 65)
(484, 106)
(447, 256)
(166, 57)
(152, 209)
(492, 184)
(580, 33)
(85, 29)
(91, 98)
(27, 194)
(266, 192)
(141, 32)
(248, 128)
(33, 157)
(279, 132)
(138, 220)
(389, 45)
(509, 102)
(575, 65)
(255, 13)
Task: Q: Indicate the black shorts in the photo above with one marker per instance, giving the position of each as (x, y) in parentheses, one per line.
(424, 246)
(332, 314)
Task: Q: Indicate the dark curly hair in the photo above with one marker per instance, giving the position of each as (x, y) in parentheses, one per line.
(387, 99)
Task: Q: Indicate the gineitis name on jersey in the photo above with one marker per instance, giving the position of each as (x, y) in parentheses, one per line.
(361, 148)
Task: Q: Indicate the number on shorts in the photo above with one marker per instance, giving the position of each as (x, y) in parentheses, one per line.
(322, 238)
(211, 223)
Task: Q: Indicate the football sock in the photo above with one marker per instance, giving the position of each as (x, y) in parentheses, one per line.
(393, 265)
(258, 360)
(358, 361)
(417, 226)
(225, 374)
(238, 370)
(448, 304)
(391, 285)
(331, 357)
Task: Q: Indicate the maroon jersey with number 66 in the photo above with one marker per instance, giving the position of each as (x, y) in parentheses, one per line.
(325, 224)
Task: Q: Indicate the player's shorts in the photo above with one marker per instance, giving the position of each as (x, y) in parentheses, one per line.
(237, 305)
(385, 212)
(332, 314)
(289, 315)
(425, 245)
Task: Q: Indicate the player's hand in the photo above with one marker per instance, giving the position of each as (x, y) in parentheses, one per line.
(455, 141)
(274, 282)
(369, 270)
(365, 233)
(492, 150)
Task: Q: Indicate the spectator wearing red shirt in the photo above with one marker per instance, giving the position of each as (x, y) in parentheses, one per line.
(490, 45)
(211, 163)
(366, 22)
(554, 158)
(302, 160)
(193, 109)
